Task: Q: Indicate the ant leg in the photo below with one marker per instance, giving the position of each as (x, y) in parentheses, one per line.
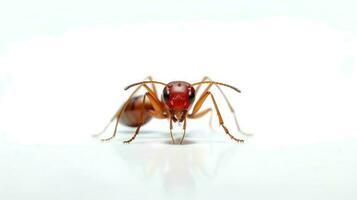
(114, 133)
(158, 111)
(172, 137)
(154, 101)
(134, 136)
(117, 116)
(122, 108)
(184, 130)
(142, 119)
(228, 103)
(198, 105)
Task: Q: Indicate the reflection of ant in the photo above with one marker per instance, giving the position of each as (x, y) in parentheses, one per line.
(177, 99)
(178, 169)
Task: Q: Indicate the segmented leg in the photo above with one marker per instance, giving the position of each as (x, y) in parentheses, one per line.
(117, 116)
(121, 109)
(227, 101)
(172, 137)
(156, 104)
(142, 120)
(198, 105)
(184, 130)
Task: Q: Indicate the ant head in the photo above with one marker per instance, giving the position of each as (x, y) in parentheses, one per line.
(178, 95)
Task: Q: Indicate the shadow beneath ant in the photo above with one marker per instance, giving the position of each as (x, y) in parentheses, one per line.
(177, 142)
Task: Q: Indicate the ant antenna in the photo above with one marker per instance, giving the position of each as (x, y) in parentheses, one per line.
(143, 82)
(218, 83)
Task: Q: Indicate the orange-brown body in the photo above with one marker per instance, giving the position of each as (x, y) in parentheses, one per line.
(136, 112)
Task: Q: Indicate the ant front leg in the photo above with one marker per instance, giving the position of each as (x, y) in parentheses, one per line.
(198, 105)
(184, 130)
(227, 102)
(172, 137)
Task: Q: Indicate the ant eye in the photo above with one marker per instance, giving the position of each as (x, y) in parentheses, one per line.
(165, 94)
(191, 96)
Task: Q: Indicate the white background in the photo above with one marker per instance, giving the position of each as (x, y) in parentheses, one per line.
(63, 67)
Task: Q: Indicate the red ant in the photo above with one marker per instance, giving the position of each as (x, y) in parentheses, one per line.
(176, 102)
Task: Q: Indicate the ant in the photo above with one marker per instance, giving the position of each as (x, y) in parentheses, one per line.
(176, 101)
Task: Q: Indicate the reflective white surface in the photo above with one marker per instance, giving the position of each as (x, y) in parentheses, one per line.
(200, 169)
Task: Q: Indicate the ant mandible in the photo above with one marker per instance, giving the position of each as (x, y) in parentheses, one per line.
(176, 101)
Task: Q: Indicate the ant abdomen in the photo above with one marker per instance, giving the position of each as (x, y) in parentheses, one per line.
(136, 112)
